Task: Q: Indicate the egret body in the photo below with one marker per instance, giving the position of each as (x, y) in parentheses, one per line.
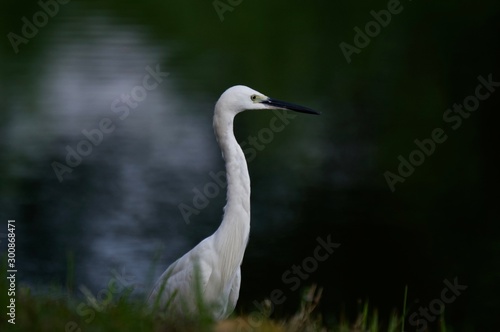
(208, 277)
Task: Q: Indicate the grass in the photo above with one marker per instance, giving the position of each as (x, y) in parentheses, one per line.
(63, 313)
(59, 310)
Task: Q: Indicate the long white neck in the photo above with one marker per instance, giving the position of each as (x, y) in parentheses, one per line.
(232, 235)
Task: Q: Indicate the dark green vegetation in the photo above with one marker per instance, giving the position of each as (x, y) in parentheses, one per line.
(60, 310)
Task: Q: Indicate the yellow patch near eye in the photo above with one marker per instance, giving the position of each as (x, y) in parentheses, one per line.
(256, 98)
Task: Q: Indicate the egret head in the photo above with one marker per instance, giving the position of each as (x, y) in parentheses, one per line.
(240, 98)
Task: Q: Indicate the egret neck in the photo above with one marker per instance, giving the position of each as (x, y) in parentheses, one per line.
(232, 235)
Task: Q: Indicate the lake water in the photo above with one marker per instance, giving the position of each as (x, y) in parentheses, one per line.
(109, 162)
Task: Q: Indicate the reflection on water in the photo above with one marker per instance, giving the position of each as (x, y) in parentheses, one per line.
(115, 201)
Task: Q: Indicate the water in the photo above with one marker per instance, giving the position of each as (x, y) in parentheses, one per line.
(131, 89)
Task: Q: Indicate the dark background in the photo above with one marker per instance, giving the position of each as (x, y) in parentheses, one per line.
(320, 176)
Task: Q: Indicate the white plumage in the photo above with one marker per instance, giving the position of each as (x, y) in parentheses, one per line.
(207, 278)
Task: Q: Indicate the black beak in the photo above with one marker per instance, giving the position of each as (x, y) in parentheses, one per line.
(288, 106)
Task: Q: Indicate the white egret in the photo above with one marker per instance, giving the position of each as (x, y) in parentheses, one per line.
(208, 277)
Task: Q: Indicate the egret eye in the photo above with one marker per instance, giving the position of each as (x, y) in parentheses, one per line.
(253, 97)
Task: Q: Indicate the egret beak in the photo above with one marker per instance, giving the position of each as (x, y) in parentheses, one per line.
(278, 104)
